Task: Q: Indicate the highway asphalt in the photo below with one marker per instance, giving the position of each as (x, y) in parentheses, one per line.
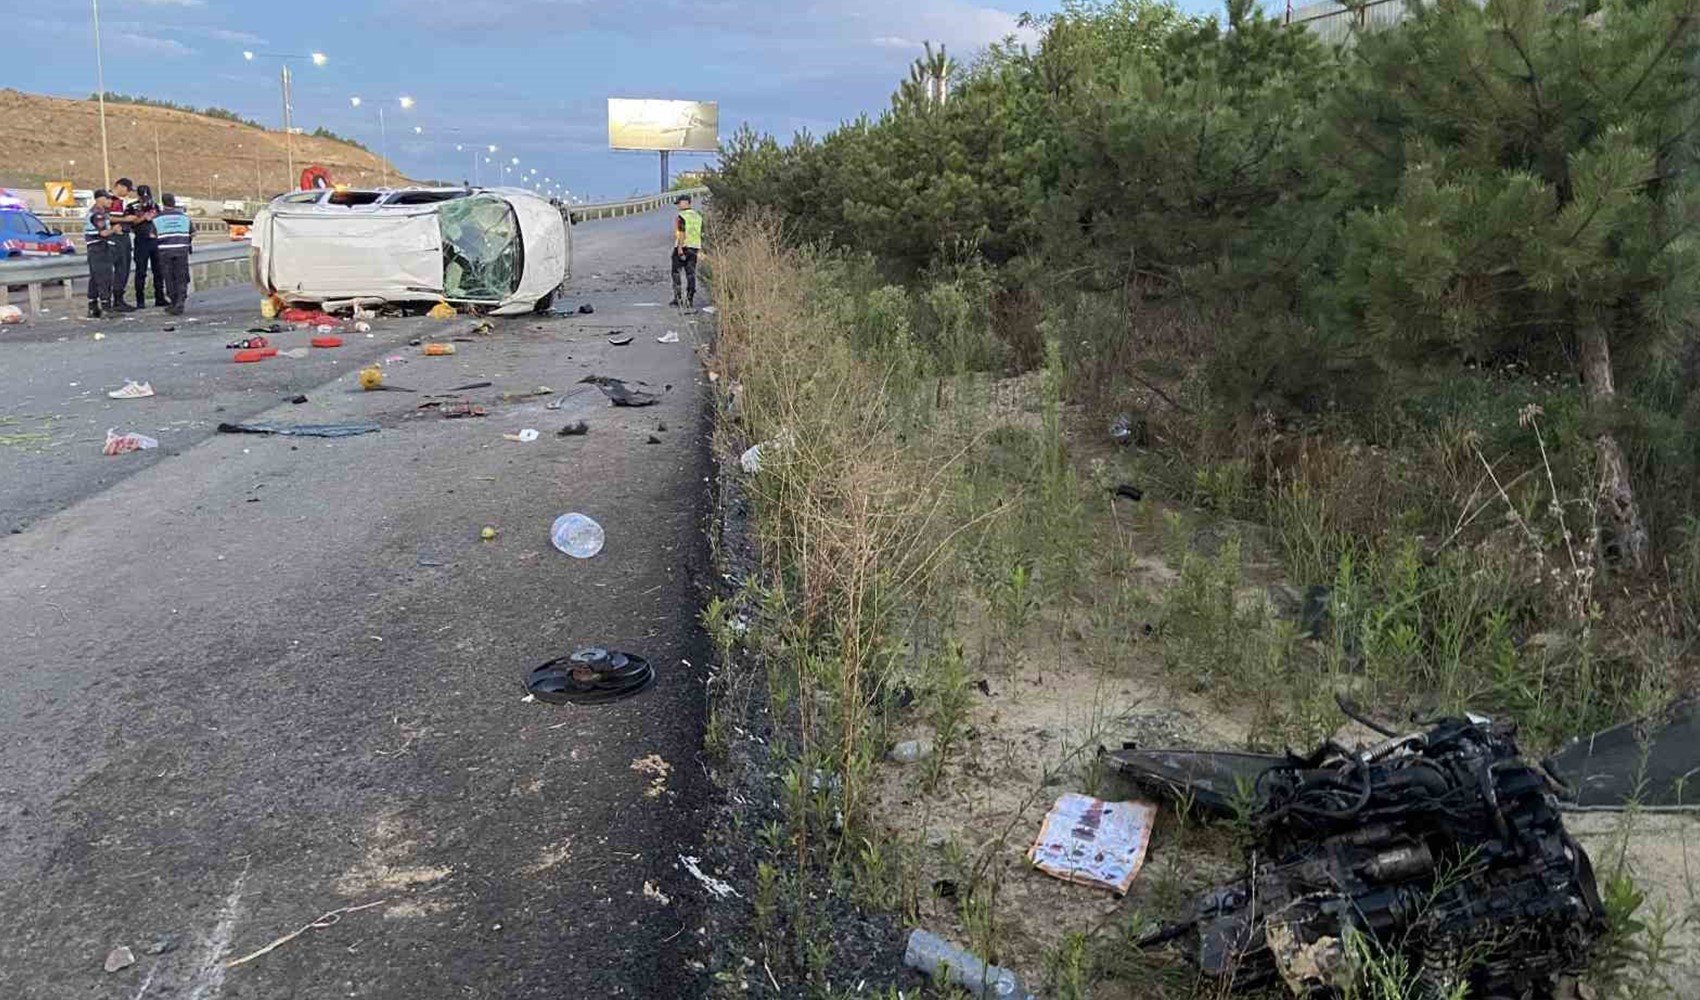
(248, 681)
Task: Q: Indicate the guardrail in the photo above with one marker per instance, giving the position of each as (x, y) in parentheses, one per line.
(631, 206)
(209, 267)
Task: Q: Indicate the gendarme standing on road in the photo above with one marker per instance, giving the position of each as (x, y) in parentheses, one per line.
(687, 245)
(97, 244)
(174, 234)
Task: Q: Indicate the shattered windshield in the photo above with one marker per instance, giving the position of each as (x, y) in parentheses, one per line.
(481, 248)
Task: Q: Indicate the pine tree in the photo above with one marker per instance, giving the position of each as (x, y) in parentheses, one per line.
(1531, 168)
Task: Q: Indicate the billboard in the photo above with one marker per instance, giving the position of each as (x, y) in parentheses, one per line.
(668, 125)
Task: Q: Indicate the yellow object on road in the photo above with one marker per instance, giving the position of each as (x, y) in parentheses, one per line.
(371, 378)
(441, 310)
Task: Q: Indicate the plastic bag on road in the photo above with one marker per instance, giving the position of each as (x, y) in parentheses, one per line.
(119, 444)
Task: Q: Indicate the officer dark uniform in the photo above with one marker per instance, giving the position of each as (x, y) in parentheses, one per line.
(147, 249)
(174, 234)
(97, 243)
(121, 190)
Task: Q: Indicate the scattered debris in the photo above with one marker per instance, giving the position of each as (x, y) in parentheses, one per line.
(1092, 842)
(322, 921)
(618, 392)
(300, 430)
(658, 769)
(1646, 765)
(653, 440)
(119, 444)
(670, 337)
(250, 357)
(296, 352)
(459, 408)
(1129, 491)
(372, 380)
(441, 310)
(362, 327)
(10, 315)
(910, 751)
(750, 460)
(590, 676)
(326, 341)
(709, 309)
(482, 326)
(577, 535)
(586, 309)
(133, 390)
(101, 336)
(577, 428)
(247, 344)
(651, 892)
(1444, 847)
(947, 964)
(525, 436)
(309, 317)
(514, 397)
(718, 888)
(619, 339)
(488, 534)
(298, 400)
(438, 350)
(120, 957)
(471, 386)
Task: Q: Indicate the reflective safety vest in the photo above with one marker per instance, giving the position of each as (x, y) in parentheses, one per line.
(173, 230)
(690, 220)
(97, 219)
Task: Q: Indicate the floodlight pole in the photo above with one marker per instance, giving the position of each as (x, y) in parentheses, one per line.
(665, 172)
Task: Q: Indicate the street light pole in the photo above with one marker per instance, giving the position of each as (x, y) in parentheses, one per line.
(383, 148)
(100, 81)
(317, 59)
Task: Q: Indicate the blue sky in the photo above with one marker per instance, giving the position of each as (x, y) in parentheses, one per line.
(531, 76)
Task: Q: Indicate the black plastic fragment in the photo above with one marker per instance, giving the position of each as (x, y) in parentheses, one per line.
(591, 676)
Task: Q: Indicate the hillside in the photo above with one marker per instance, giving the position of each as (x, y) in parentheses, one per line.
(198, 156)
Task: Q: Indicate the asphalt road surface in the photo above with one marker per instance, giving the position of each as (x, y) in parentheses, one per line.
(249, 681)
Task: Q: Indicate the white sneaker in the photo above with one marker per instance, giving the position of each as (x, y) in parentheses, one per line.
(133, 390)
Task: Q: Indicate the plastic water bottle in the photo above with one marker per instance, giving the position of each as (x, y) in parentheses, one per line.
(944, 962)
(576, 535)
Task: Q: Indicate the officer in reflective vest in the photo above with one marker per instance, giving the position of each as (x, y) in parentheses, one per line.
(687, 245)
(97, 243)
(173, 235)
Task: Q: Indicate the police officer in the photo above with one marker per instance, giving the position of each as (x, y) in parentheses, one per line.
(97, 242)
(122, 221)
(687, 245)
(147, 250)
(174, 234)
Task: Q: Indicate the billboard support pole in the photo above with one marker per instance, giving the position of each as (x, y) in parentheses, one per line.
(666, 175)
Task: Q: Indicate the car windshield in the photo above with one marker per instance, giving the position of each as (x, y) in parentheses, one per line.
(482, 256)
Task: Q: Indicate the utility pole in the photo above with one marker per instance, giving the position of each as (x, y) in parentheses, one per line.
(100, 81)
(158, 171)
(666, 171)
(383, 148)
(288, 127)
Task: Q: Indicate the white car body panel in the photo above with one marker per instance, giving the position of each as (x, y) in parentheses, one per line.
(392, 255)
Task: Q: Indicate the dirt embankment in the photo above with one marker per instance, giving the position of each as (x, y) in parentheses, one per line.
(202, 157)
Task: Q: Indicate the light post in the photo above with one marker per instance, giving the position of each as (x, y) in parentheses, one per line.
(317, 59)
(100, 82)
(384, 135)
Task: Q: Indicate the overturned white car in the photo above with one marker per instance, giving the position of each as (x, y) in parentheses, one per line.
(504, 250)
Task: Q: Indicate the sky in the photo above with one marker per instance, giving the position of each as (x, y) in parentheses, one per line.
(529, 76)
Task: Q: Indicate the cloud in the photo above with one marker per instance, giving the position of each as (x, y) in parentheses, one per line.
(151, 44)
(168, 3)
(226, 35)
(896, 42)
